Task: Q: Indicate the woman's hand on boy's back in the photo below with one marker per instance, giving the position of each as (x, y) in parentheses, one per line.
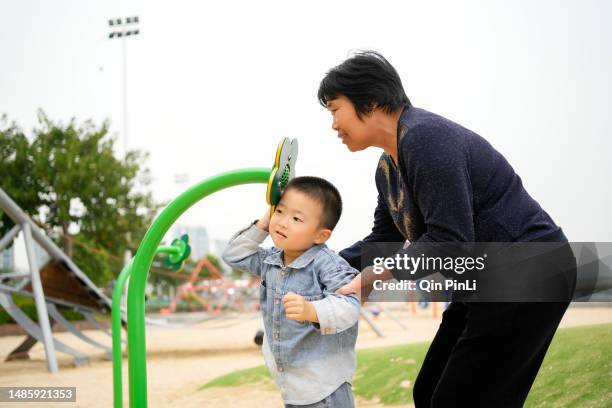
(298, 308)
(353, 286)
(363, 284)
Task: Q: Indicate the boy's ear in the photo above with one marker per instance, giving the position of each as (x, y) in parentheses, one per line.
(323, 235)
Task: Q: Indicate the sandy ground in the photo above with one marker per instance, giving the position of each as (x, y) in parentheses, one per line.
(180, 360)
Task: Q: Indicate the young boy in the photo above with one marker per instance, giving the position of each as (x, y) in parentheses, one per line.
(310, 331)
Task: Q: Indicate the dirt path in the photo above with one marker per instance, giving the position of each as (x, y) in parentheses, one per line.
(180, 360)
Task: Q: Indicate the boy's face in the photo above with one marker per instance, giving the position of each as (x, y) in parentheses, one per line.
(295, 224)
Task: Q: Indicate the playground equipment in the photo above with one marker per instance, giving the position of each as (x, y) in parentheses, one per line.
(60, 284)
(215, 292)
(188, 289)
(276, 178)
(178, 255)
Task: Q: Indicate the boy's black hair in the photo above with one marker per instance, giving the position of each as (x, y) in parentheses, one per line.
(368, 80)
(323, 192)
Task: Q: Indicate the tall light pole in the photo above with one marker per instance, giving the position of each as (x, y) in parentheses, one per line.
(122, 29)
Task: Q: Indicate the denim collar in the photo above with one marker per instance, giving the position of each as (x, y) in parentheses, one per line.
(302, 261)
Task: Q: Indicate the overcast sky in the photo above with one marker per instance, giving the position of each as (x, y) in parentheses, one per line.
(213, 86)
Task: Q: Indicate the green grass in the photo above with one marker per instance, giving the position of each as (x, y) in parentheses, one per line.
(252, 376)
(577, 371)
(388, 373)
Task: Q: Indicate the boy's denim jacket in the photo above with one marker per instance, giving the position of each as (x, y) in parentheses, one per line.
(308, 361)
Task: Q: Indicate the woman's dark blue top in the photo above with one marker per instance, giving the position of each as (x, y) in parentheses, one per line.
(449, 184)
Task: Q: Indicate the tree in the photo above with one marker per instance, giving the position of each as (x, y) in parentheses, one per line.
(16, 171)
(70, 181)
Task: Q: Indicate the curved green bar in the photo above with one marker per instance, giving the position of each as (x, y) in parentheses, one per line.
(137, 364)
(116, 323)
(116, 329)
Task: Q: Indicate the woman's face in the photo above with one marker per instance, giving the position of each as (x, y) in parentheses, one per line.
(354, 132)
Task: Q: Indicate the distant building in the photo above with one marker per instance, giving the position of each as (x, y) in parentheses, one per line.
(7, 259)
(217, 249)
(198, 239)
(8, 262)
(42, 256)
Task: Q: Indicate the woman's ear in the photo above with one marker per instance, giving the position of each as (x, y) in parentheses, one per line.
(322, 236)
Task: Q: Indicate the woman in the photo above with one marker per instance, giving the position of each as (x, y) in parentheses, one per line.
(439, 182)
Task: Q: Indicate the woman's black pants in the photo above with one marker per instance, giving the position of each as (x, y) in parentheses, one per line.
(486, 354)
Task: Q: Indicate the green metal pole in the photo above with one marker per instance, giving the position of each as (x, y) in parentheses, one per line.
(116, 324)
(169, 250)
(137, 364)
(116, 328)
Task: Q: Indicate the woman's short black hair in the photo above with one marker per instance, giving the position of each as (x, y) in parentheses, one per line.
(368, 80)
(324, 193)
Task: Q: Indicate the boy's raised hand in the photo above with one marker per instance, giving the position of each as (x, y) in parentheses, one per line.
(298, 308)
(264, 222)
